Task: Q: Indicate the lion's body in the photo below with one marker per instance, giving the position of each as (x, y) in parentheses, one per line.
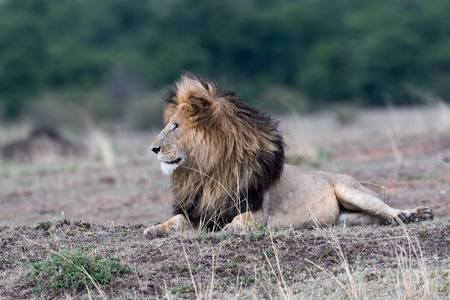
(226, 161)
(290, 204)
(303, 199)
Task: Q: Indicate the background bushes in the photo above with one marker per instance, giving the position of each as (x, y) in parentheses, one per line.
(325, 51)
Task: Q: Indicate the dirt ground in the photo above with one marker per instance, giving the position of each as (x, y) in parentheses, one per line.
(261, 264)
(402, 154)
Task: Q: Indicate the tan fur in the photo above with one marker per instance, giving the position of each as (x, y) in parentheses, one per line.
(222, 151)
(304, 199)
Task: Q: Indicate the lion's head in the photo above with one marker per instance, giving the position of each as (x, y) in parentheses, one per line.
(221, 153)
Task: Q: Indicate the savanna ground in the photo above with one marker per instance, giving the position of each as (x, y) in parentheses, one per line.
(73, 228)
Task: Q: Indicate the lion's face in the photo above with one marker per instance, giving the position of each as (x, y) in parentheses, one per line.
(169, 145)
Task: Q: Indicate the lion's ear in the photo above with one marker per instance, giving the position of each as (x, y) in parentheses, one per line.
(201, 105)
(196, 93)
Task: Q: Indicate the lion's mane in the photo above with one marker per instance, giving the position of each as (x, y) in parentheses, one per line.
(235, 152)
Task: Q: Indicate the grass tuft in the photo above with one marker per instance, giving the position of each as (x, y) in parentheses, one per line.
(45, 226)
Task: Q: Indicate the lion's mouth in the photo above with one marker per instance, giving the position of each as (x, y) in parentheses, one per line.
(169, 166)
(173, 161)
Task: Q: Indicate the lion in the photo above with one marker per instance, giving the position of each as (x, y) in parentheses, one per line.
(226, 163)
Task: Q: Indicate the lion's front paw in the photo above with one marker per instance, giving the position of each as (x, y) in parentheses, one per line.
(241, 223)
(152, 232)
(421, 213)
(158, 231)
(174, 224)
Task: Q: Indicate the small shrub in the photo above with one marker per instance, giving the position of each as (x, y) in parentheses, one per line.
(65, 271)
(45, 226)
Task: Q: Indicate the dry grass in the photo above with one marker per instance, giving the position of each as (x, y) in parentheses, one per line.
(409, 262)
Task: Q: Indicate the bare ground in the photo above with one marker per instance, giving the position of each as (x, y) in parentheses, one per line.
(404, 155)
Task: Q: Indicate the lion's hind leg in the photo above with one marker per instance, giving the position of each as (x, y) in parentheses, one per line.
(357, 198)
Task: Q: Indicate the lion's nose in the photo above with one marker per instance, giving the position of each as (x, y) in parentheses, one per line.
(156, 149)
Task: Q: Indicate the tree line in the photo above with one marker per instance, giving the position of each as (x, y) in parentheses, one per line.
(282, 54)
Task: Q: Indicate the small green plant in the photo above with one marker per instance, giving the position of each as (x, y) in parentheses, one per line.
(183, 269)
(423, 234)
(69, 270)
(45, 226)
(270, 252)
(326, 252)
(256, 231)
(231, 267)
(183, 289)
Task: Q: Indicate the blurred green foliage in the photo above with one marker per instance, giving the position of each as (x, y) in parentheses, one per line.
(325, 51)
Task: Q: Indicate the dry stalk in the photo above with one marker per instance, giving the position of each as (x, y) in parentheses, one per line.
(413, 277)
(197, 295)
(281, 282)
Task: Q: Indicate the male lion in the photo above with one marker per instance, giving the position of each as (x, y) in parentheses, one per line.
(226, 161)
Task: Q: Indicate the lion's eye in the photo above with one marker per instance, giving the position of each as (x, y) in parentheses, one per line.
(175, 126)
